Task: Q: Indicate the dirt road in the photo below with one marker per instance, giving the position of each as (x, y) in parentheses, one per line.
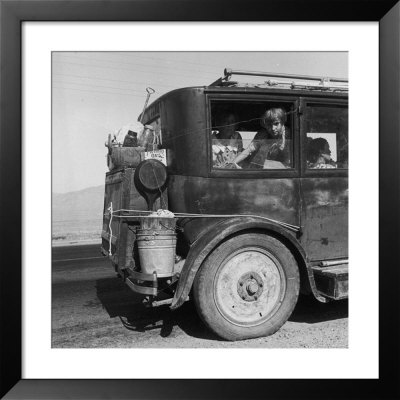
(92, 308)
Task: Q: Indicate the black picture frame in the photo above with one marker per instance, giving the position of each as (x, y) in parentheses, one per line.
(14, 12)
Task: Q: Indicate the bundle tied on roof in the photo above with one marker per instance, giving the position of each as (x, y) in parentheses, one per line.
(123, 149)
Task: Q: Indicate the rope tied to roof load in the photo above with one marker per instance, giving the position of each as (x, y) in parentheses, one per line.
(110, 209)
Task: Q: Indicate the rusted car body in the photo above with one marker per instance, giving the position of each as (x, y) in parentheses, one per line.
(300, 209)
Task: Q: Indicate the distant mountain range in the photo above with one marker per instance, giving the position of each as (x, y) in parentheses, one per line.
(77, 216)
(86, 204)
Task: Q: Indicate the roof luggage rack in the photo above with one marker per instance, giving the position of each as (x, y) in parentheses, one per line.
(290, 81)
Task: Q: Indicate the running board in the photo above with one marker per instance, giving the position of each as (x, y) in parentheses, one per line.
(332, 281)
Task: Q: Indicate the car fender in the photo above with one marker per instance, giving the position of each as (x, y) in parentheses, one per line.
(210, 239)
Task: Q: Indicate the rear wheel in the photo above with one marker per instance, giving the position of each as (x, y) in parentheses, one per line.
(247, 287)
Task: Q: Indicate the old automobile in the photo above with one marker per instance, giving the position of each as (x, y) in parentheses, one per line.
(185, 217)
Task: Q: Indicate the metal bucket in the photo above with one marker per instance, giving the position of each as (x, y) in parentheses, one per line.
(156, 251)
(158, 224)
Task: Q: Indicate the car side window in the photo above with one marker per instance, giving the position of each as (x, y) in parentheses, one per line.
(326, 129)
(251, 135)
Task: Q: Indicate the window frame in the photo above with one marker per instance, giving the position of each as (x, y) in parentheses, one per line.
(317, 172)
(293, 172)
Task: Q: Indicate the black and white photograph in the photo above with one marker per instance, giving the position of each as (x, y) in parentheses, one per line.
(199, 199)
(184, 186)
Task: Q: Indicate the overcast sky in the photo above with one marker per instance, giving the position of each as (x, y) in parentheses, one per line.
(96, 93)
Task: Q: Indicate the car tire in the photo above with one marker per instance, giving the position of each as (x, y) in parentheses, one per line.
(247, 287)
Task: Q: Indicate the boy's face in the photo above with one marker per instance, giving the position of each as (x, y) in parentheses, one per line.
(326, 153)
(228, 126)
(275, 128)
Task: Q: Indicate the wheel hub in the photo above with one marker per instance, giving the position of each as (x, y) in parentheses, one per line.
(250, 286)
